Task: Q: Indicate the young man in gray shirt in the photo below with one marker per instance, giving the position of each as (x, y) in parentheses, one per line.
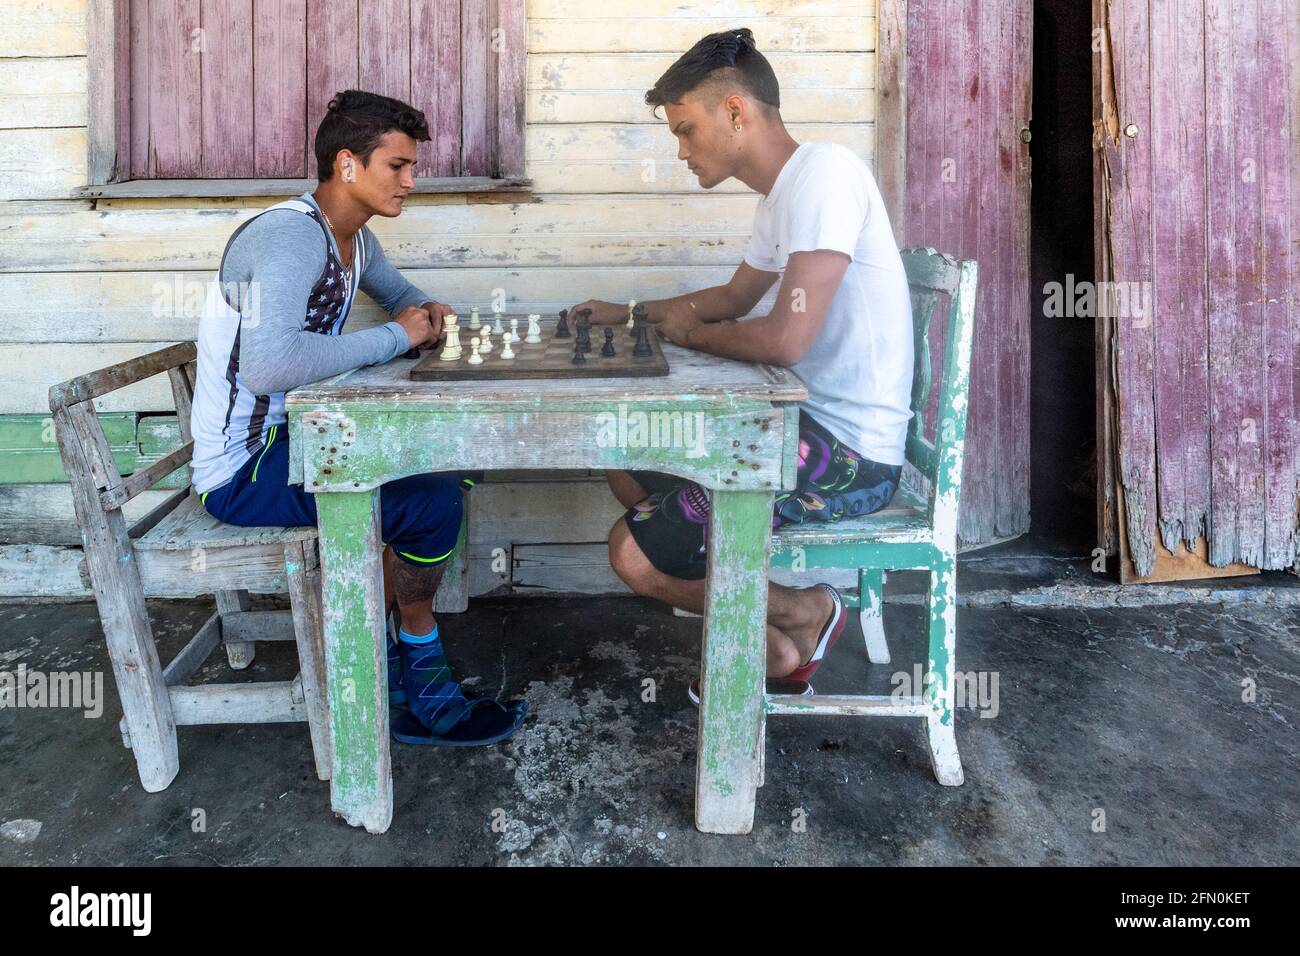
(273, 321)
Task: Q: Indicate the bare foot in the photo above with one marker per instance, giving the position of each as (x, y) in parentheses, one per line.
(804, 627)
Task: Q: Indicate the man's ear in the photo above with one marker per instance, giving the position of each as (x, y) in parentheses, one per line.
(735, 109)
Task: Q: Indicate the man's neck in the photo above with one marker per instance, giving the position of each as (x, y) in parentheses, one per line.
(345, 217)
(760, 170)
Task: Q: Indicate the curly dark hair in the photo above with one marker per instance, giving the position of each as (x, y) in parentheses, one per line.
(358, 120)
(731, 50)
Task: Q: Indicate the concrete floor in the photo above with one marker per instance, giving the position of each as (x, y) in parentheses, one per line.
(1135, 712)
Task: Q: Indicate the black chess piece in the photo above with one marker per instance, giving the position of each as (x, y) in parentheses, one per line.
(607, 349)
(579, 354)
(642, 340)
(639, 318)
(562, 329)
(584, 335)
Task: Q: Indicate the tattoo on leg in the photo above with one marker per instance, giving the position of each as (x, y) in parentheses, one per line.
(415, 585)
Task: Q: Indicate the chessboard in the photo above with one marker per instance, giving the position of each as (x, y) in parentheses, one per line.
(552, 358)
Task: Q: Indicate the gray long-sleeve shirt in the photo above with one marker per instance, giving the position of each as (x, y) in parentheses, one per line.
(283, 252)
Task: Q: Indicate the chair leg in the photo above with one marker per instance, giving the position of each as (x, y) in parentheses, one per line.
(239, 653)
(941, 609)
(305, 599)
(871, 610)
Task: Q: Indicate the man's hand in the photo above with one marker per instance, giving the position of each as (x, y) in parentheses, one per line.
(438, 311)
(678, 322)
(602, 313)
(419, 328)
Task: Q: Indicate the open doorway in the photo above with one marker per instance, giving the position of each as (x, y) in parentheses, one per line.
(1062, 362)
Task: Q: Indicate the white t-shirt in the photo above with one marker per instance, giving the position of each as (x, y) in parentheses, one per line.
(859, 369)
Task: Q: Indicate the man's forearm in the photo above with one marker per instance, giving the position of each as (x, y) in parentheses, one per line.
(750, 341)
(711, 305)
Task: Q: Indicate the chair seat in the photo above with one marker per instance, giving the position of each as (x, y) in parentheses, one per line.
(905, 519)
(190, 526)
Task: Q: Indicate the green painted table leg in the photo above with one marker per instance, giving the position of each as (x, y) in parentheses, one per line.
(361, 789)
(734, 661)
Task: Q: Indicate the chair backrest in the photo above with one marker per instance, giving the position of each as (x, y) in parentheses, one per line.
(931, 275)
(98, 488)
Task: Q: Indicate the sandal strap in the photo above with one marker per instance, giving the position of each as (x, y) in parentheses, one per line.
(456, 713)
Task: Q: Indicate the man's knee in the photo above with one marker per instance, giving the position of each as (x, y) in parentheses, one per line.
(625, 556)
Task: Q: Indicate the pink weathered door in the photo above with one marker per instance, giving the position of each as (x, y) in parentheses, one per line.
(1198, 222)
(958, 178)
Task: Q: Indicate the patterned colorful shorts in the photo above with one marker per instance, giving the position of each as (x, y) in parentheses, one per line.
(671, 525)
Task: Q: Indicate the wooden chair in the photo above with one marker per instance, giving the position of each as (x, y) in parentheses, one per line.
(179, 550)
(917, 531)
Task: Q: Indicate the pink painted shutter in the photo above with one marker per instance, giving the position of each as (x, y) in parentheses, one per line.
(1200, 171)
(280, 125)
(969, 74)
(226, 51)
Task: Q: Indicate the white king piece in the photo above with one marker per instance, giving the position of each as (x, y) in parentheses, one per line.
(451, 350)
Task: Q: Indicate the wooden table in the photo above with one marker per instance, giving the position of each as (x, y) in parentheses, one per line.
(352, 433)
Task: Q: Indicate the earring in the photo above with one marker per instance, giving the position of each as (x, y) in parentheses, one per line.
(737, 127)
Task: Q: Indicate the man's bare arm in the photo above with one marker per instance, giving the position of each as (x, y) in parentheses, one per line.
(730, 301)
(783, 336)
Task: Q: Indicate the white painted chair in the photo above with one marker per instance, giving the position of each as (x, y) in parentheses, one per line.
(179, 550)
(918, 531)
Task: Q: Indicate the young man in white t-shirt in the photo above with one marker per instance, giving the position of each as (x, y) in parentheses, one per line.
(841, 321)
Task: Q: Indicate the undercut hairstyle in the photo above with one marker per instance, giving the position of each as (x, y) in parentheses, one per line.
(729, 58)
(357, 120)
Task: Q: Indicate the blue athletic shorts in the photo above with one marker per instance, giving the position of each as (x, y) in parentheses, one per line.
(419, 516)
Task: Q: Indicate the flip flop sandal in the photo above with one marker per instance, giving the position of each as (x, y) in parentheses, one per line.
(477, 722)
(829, 635)
(775, 685)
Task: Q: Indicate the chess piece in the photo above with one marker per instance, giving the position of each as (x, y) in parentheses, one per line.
(638, 318)
(507, 352)
(514, 328)
(579, 353)
(534, 336)
(642, 340)
(475, 358)
(486, 348)
(562, 329)
(607, 349)
(496, 324)
(473, 318)
(631, 312)
(584, 336)
(451, 350)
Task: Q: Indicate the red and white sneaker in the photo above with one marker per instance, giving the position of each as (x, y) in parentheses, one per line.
(829, 635)
(775, 685)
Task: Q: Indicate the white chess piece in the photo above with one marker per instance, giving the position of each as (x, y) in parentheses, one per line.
(514, 328)
(473, 318)
(631, 319)
(451, 350)
(486, 347)
(475, 358)
(534, 330)
(506, 351)
(496, 324)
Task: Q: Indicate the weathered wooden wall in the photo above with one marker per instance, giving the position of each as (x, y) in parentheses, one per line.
(1199, 169)
(616, 214)
(968, 86)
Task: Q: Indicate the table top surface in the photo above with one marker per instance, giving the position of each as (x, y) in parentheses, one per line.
(692, 375)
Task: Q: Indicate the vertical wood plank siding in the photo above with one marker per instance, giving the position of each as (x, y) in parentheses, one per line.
(280, 127)
(968, 93)
(1201, 170)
